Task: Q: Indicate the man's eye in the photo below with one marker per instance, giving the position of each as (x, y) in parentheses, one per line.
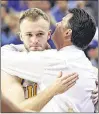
(40, 34)
(29, 35)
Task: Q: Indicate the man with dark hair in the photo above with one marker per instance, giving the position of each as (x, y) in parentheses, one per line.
(71, 36)
(81, 24)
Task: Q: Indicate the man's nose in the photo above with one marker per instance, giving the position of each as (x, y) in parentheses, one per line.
(34, 40)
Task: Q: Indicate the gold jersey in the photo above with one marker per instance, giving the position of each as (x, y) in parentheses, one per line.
(30, 88)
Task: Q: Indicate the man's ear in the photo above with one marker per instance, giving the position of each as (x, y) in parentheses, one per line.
(49, 34)
(68, 34)
(20, 35)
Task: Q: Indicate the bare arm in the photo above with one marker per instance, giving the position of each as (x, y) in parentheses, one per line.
(16, 93)
(8, 106)
(11, 88)
(61, 85)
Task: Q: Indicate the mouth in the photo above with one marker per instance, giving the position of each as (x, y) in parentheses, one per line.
(34, 46)
(35, 49)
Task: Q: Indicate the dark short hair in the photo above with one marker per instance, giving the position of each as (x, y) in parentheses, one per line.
(83, 27)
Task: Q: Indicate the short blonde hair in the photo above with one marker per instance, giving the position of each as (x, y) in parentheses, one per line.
(33, 14)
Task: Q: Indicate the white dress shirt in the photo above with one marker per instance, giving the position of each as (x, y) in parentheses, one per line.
(43, 67)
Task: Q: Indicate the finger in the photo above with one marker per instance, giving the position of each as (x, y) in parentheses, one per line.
(95, 101)
(60, 74)
(94, 96)
(96, 82)
(71, 81)
(68, 76)
(71, 85)
(95, 91)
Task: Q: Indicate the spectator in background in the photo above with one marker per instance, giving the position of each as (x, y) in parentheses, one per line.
(52, 2)
(93, 4)
(86, 6)
(96, 35)
(4, 2)
(59, 10)
(9, 25)
(11, 36)
(92, 52)
(17, 5)
(72, 4)
(4, 12)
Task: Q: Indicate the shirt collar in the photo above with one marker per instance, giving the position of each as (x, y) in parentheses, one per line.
(71, 47)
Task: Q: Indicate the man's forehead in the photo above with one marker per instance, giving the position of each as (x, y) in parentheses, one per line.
(34, 30)
(39, 25)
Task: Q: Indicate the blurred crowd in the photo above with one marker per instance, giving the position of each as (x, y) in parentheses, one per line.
(10, 13)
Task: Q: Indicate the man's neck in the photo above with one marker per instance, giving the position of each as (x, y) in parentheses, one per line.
(64, 45)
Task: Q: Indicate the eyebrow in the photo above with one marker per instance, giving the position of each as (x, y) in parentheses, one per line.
(40, 31)
(36, 31)
(28, 32)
